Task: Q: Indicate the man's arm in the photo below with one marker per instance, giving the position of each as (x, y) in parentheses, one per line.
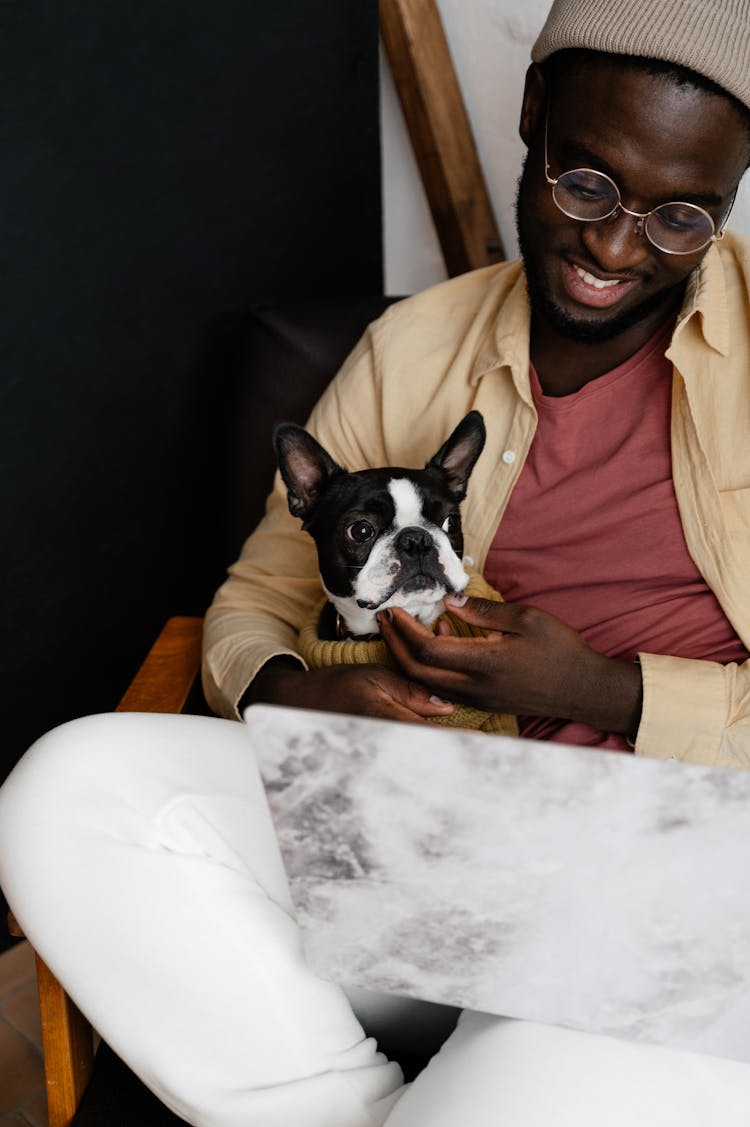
(533, 664)
(528, 663)
(250, 639)
(251, 628)
(257, 614)
(395, 400)
(362, 690)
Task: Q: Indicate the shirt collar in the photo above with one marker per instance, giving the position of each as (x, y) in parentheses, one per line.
(507, 340)
(705, 297)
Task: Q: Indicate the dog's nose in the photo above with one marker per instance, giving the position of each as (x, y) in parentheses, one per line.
(414, 541)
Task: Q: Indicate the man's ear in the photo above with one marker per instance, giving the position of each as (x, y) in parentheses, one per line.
(534, 104)
(307, 469)
(457, 456)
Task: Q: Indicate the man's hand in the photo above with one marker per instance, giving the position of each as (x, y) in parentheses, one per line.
(530, 664)
(362, 690)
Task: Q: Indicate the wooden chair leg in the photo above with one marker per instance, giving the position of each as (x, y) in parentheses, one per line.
(68, 1048)
(67, 1041)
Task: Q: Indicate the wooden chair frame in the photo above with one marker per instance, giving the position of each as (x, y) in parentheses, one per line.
(164, 683)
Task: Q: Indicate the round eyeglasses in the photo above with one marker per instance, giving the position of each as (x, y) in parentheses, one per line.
(674, 228)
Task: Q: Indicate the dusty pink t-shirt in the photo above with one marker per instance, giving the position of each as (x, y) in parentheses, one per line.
(592, 531)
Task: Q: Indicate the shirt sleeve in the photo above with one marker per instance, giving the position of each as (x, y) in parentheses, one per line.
(695, 711)
(257, 613)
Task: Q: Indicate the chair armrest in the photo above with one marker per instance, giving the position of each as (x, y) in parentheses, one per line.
(167, 677)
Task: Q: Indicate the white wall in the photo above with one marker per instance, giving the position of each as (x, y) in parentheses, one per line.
(490, 41)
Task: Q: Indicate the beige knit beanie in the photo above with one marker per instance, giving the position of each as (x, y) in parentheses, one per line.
(711, 37)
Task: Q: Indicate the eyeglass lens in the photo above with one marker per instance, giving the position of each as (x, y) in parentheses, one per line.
(677, 227)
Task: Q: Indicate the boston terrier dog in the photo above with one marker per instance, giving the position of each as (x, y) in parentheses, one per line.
(385, 537)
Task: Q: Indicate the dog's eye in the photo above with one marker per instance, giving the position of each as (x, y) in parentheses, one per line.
(452, 524)
(360, 532)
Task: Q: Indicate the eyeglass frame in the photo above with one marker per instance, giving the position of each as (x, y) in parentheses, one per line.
(642, 216)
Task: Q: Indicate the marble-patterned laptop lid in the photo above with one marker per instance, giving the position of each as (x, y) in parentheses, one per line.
(587, 889)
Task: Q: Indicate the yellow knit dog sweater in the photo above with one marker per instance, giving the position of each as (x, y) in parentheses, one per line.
(319, 654)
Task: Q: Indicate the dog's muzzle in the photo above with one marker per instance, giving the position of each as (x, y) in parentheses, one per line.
(419, 567)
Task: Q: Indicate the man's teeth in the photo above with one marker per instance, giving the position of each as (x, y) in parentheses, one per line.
(597, 283)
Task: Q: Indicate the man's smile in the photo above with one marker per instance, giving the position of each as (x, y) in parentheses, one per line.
(591, 280)
(587, 288)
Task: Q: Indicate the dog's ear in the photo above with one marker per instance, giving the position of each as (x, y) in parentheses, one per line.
(457, 456)
(307, 469)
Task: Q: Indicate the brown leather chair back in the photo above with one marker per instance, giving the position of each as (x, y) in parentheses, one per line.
(290, 353)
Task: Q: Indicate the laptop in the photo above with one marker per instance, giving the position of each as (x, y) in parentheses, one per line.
(582, 888)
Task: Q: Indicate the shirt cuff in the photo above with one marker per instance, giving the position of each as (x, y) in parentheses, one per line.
(684, 709)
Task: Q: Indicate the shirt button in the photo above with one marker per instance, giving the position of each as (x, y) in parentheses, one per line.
(509, 456)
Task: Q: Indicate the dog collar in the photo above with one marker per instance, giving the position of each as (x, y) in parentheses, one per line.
(344, 634)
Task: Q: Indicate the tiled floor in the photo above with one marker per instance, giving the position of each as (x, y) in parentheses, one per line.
(22, 1097)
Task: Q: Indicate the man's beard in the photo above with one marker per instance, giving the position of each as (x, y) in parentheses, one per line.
(580, 329)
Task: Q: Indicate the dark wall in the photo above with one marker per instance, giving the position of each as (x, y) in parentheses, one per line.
(162, 167)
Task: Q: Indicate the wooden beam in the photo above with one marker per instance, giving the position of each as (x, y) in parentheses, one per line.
(422, 68)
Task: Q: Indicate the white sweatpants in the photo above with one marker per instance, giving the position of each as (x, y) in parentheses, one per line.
(138, 855)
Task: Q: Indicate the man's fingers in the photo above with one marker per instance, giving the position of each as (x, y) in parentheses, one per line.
(440, 661)
(426, 703)
(435, 679)
(484, 613)
(414, 703)
(396, 711)
(395, 697)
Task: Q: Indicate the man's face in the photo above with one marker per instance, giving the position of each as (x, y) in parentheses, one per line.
(659, 143)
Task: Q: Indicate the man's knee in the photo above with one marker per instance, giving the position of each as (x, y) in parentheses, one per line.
(54, 769)
(42, 796)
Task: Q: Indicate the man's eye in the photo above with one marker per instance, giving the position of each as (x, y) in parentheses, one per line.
(680, 217)
(581, 192)
(586, 186)
(452, 524)
(360, 532)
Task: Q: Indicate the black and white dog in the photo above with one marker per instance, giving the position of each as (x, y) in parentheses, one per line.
(385, 537)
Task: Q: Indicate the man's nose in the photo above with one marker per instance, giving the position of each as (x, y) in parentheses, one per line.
(618, 243)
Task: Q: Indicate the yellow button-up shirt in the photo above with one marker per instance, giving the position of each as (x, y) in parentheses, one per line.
(463, 345)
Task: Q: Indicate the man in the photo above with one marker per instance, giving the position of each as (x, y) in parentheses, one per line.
(610, 506)
(612, 497)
